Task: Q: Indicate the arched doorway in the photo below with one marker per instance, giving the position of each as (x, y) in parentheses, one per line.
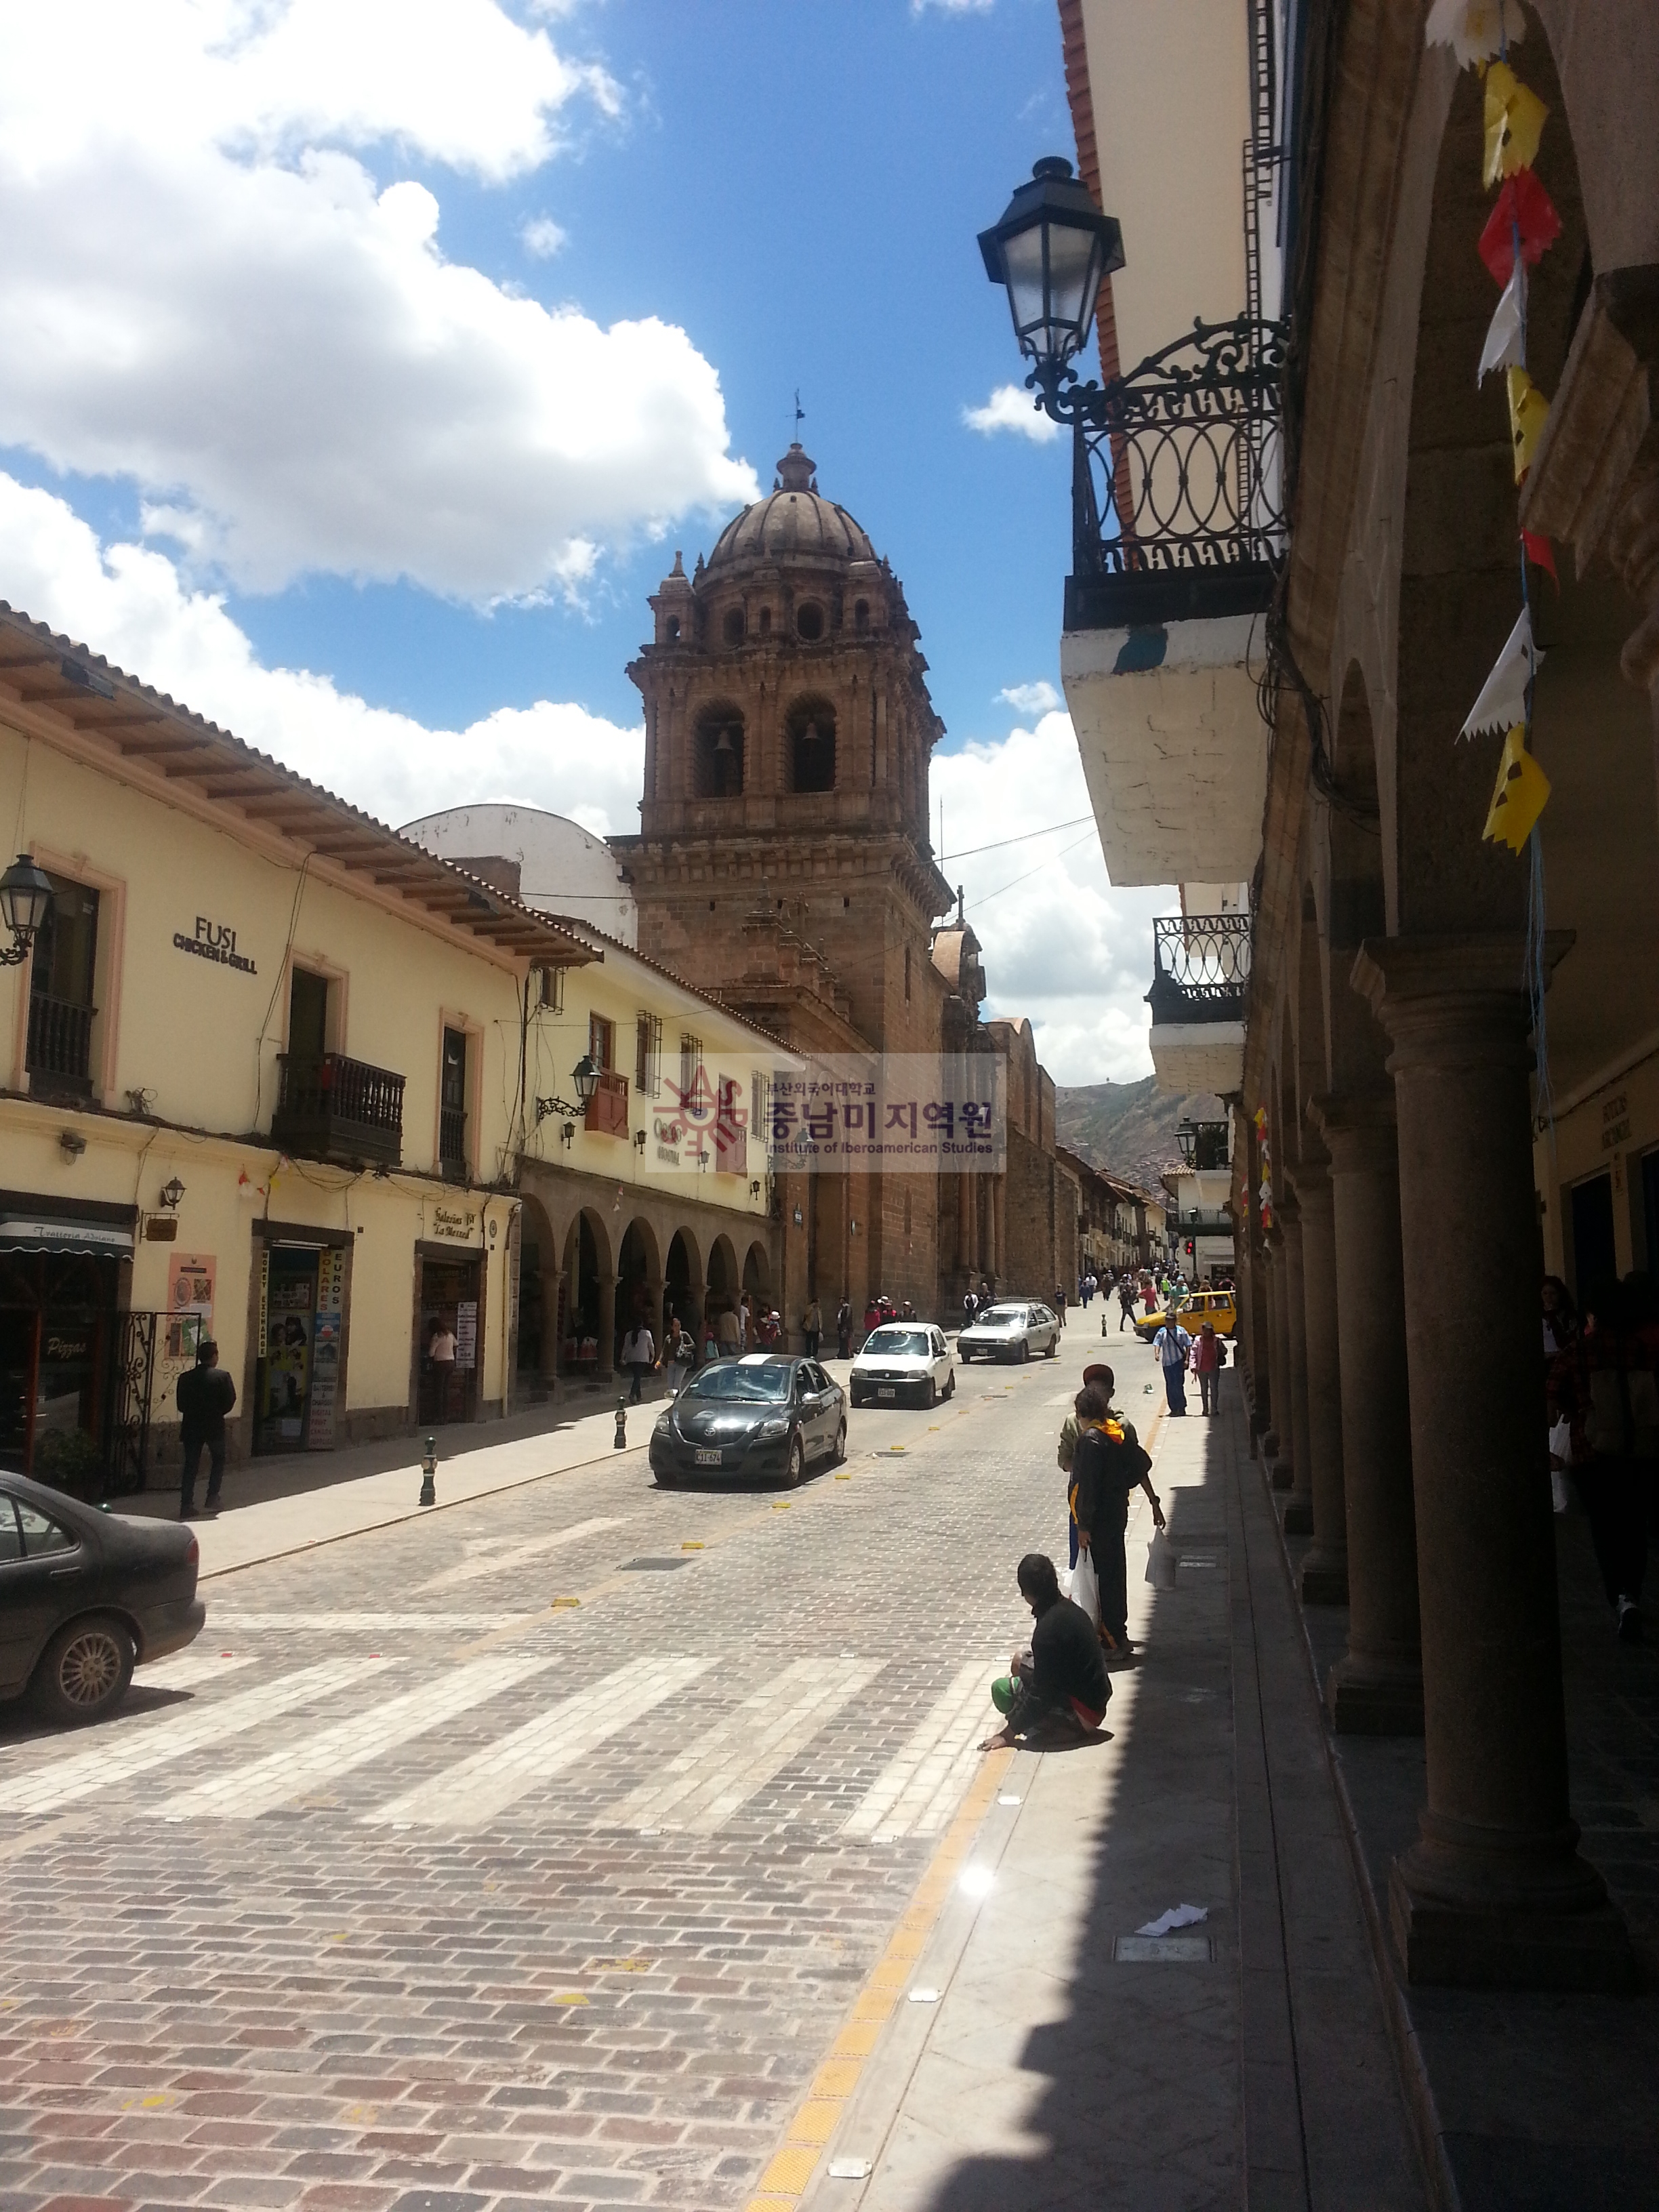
(639, 1283)
(587, 1348)
(723, 1286)
(683, 1284)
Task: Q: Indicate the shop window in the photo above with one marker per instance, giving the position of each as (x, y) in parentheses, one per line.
(647, 1056)
(61, 978)
(717, 753)
(451, 1104)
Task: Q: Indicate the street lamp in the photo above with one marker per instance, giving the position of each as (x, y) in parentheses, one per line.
(1187, 1137)
(585, 1077)
(1050, 251)
(25, 903)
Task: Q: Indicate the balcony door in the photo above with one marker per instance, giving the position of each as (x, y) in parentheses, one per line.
(308, 1016)
(451, 1104)
(61, 978)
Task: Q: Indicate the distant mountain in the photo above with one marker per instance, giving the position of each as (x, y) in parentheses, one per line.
(1128, 1129)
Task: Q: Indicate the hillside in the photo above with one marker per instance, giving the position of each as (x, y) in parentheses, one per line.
(1128, 1129)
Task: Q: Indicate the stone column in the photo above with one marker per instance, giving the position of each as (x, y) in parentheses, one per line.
(1494, 1893)
(606, 1365)
(1298, 1506)
(1376, 1688)
(1325, 1568)
(1278, 1445)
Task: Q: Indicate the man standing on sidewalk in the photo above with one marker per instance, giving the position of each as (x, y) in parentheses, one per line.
(206, 1395)
(1172, 1344)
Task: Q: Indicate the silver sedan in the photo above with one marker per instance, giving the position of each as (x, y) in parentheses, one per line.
(1013, 1330)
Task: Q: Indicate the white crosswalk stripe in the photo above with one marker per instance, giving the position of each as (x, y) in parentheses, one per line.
(916, 1792)
(190, 1670)
(320, 1759)
(503, 1561)
(721, 1770)
(154, 1739)
(468, 1795)
(228, 1623)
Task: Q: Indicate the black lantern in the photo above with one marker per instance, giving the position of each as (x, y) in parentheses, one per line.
(585, 1077)
(1186, 1137)
(25, 903)
(1050, 251)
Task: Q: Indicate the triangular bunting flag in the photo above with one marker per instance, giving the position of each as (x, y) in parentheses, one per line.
(1514, 123)
(1475, 30)
(1541, 554)
(1520, 795)
(1528, 412)
(1503, 698)
(1503, 346)
(1522, 208)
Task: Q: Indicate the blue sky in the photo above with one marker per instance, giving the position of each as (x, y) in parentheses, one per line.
(251, 488)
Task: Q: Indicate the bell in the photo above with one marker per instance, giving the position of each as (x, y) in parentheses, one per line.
(723, 744)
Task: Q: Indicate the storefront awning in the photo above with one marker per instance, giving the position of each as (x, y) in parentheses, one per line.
(20, 1232)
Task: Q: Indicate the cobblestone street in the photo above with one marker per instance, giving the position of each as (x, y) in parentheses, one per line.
(537, 1848)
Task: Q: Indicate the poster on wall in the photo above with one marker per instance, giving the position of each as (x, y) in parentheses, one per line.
(326, 1350)
(467, 1334)
(188, 1318)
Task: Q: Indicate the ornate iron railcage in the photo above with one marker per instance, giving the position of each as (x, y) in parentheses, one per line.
(1201, 968)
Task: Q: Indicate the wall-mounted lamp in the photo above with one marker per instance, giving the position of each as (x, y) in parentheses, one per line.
(171, 1194)
(585, 1077)
(25, 903)
(639, 1140)
(567, 1134)
(71, 1143)
(754, 1190)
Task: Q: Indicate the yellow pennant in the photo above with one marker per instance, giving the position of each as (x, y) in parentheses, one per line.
(1522, 793)
(1514, 123)
(1528, 412)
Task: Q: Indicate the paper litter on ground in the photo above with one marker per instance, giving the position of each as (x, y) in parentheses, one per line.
(1178, 1916)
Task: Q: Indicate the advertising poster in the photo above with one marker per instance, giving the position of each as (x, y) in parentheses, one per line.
(188, 1318)
(326, 1350)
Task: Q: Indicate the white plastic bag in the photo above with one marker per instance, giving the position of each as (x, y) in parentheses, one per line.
(1085, 1588)
(1161, 1561)
(1561, 1449)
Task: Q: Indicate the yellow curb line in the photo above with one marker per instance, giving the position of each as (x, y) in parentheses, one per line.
(785, 2180)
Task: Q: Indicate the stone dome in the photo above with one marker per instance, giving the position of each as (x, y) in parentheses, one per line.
(794, 522)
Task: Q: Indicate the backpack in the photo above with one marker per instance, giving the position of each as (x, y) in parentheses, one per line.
(1623, 1421)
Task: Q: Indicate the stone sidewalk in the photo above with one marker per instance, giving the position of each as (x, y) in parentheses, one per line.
(1043, 2057)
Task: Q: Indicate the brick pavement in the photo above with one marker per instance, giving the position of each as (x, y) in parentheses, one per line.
(379, 1913)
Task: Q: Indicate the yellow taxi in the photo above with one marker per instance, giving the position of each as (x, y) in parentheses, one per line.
(1218, 1308)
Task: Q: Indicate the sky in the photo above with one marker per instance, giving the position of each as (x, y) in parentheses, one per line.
(364, 362)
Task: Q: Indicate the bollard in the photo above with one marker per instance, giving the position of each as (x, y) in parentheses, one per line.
(620, 1440)
(429, 1472)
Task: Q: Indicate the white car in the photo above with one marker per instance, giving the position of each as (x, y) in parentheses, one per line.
(903, 1360)
(1014, 1331)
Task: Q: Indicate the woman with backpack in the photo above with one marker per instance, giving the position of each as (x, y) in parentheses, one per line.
(1105, 1467)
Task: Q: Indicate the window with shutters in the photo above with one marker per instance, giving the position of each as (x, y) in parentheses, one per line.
(647, 1056)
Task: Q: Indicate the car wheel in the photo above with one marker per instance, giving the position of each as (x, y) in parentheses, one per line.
(933, 1394)
(839, 1454)
(1025, 1349)
(951, 1383)
(796, 1462)
(86, 1670)
(1053, 1347)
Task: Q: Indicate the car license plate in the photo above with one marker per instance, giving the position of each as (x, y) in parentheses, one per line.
(886, 1390)
(706, 1458)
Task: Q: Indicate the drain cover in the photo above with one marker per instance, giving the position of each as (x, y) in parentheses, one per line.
(651, 1566)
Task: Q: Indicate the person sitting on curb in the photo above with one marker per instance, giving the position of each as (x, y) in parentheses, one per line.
(1062, 1679)
(1106, 1467)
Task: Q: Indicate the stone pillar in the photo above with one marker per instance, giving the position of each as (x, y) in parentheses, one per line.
(1376, 1688)
(1278, 1445)
(605, 1331)
(1325, 1568)
(1494, 1893)
(1298, 1506)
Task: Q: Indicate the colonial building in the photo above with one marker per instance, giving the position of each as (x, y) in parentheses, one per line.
(783, 863)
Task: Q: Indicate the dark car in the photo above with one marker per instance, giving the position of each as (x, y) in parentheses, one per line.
(85, 1597)
(766, 1418)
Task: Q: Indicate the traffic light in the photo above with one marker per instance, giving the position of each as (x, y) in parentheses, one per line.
(1190, 1248)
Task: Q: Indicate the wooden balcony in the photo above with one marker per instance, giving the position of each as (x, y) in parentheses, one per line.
(607, 1109)
(330, 1107)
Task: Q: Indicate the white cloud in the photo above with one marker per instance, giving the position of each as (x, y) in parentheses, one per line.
(1039, 698)
(953, 7)
(128, 603)
(1062, 944)
(1011, 408)
(541, 238)
(207, 293)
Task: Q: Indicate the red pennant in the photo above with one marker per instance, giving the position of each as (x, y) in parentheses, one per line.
(1525, 207)
(1541, 554)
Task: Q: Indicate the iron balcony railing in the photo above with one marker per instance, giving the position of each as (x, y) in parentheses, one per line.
(1177, 493)
(1201, 968)
(60, 1051)
(330, 1107)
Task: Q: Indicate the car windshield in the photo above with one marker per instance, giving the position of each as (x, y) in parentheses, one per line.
(764, 1384)
(1003, 1317)
(898, 1339)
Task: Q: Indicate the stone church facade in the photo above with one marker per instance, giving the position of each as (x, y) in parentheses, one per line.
(783, 864)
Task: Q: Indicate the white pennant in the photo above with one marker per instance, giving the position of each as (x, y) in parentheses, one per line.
(1503, 700)
(1504, 347)
(1475, 30)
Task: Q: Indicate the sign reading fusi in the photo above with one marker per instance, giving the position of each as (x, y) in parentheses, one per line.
(216, 941)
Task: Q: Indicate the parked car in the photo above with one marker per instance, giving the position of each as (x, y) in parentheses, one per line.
(1218, 1308)
(87, 1596)
(766, 1418)
(903, 1360)
(1011, 1331)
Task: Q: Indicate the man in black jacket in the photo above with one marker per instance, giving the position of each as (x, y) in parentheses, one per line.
(1106, 1465)
(206, 1395)
(1062, 1678)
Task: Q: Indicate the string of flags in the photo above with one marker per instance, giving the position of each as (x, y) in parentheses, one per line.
(1520, 229)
